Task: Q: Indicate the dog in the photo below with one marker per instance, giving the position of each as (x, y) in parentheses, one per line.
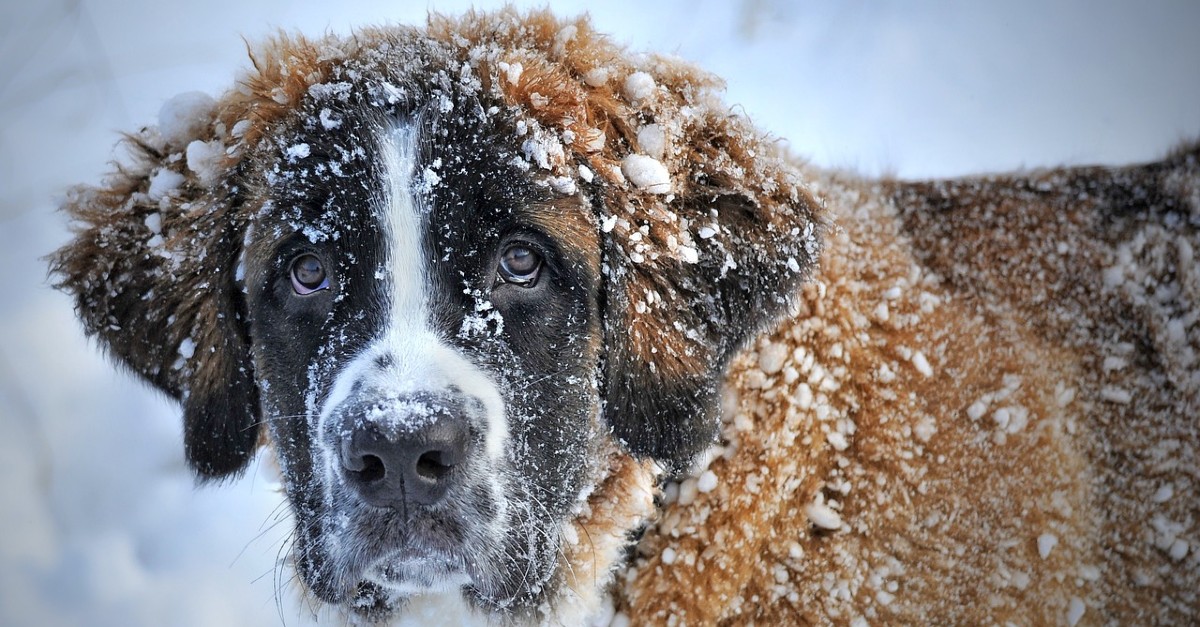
(539, 331)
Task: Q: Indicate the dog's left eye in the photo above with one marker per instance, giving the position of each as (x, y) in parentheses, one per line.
(308, 274)
(520, 264)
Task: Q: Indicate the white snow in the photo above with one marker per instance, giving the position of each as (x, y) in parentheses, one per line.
(239, 129)
(1117, 395)
(297, 152)
(688, 490)
(638, 86)
(1075, 611)
(925, 429)
(921, 364)
(205, 159)
(154, 223)
(512, 72)
(772, 356)
(668, 556)
(328, 120)
(597, 77)
(653, 140)
(1046, 543)
(647, 174)
(823, 516)
(162, 183)
(185, 117)
(1178, 550)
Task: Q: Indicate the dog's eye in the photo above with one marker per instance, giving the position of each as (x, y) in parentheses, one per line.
(308, 274)
(520, 264)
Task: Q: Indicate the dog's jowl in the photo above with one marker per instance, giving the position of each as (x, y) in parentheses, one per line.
(538, 330)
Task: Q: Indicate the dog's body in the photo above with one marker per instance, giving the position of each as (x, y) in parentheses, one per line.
(479, 285)
(985, 412)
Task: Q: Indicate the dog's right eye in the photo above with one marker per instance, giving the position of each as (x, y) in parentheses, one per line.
(308, 274)
(519, 265)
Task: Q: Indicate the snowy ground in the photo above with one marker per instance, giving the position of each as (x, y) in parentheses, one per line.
(99, 521)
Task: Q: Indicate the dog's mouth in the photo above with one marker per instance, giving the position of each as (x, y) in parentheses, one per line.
(386, 556)
(371, 560)
(345, 546)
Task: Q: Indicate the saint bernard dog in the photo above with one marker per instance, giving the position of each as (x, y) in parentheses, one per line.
(540, 331)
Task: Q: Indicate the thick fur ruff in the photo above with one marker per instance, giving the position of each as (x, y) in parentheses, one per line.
(819, 399)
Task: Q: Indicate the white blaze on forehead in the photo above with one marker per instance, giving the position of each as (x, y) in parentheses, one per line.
(416, 359)
(408, 277)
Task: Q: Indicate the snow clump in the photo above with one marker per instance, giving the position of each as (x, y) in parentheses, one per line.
(639, 86)
(653, 140)
(185, 117)
(647, 174)
(298, 152)
(823, 516)
(163, 183)
(204, 158)
(1046, 543)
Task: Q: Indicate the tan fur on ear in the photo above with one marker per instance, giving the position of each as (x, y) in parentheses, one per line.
(152, 272)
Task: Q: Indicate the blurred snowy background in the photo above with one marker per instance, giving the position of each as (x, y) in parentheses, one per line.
(99, 521)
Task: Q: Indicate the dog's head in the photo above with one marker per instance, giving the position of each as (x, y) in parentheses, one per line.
(450, 275)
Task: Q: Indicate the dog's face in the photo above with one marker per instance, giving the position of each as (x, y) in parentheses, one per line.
(449, 276)
(424, 323)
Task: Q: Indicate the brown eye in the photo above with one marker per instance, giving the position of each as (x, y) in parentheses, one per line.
(520, 265)
(308, 274)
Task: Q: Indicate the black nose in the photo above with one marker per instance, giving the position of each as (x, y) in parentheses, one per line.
(392, 464)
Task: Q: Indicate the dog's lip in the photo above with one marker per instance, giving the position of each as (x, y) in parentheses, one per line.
(408, 562)
(414, 569)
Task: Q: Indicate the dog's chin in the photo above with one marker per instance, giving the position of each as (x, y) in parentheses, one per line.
(409, 573)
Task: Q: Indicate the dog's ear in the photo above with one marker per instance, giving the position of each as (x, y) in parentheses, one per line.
(683, 296)
(692, 274)
(153, 268)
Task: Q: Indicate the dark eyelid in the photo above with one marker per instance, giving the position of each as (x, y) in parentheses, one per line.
(537, 241)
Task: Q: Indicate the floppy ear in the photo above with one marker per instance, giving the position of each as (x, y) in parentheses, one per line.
(152, 271)
(673, 323)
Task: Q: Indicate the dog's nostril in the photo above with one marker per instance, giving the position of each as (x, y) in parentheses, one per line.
(433, 465)
(372, 469)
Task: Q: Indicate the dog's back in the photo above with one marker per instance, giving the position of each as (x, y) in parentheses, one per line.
(986, 410)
